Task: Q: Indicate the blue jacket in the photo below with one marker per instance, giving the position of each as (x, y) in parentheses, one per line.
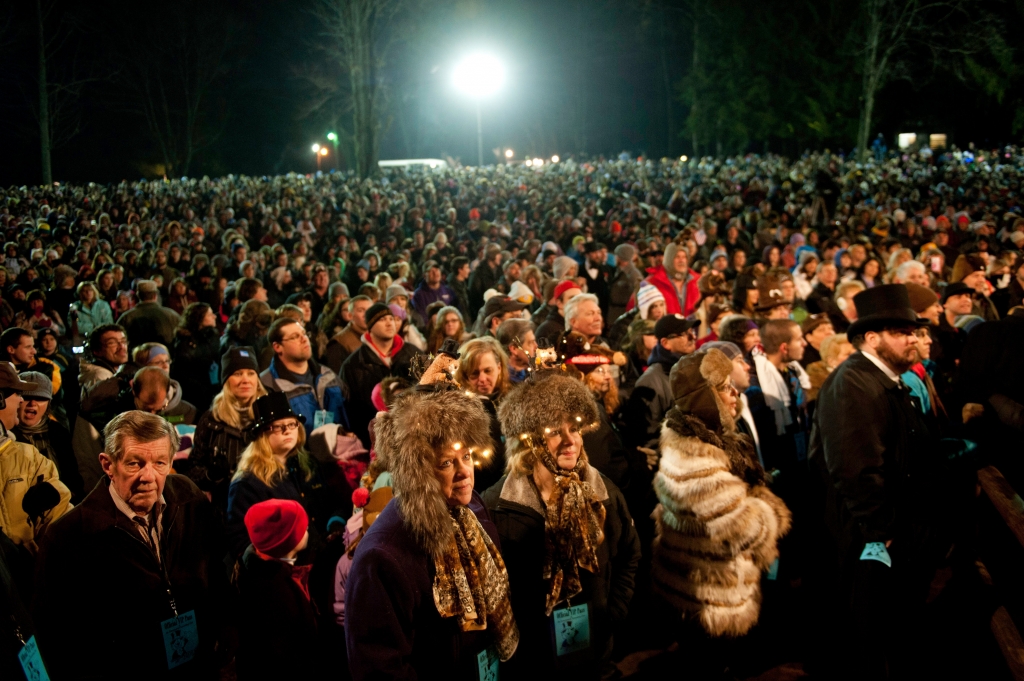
(307, 401)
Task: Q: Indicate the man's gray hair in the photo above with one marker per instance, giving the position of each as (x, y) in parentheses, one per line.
(903, 271)
(574, 303)
(147, 289)
(141, 427)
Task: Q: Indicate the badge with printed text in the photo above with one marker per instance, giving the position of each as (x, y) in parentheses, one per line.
(32, 662)
(876, 550)
(181, 638)
(487, 664)
(572, 629)
(322, 417)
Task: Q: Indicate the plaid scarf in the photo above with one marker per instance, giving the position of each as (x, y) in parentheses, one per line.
(573, 529)
(470, 582)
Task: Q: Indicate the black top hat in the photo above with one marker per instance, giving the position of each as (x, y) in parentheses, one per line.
(272, 407)
(883, 306)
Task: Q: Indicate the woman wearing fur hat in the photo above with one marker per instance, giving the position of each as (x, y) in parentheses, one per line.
(276, 465)
(428, 591)
(717, 522)
(568, 538)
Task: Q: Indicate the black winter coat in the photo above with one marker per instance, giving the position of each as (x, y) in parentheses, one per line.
(94, 545)
(216, 449)
(607, 594)
(392, 627)
(277, 623)
(193, 358)
(312, 494)
(360, 373)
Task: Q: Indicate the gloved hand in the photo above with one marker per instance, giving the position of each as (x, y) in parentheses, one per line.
(39, 499)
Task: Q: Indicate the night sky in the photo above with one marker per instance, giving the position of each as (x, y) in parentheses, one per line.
(582, 77)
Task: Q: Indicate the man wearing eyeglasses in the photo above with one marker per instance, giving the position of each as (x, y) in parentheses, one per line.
(313, 390)
(108, 345)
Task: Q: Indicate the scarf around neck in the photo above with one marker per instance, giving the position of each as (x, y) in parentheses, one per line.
(573, 529)
(471, 583)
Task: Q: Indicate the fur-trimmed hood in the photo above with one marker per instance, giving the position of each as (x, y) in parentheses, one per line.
(422, 423)
(694, 380)
(546, 400)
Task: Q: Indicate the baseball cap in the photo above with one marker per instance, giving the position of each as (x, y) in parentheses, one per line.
(9, 379)
(673, 325)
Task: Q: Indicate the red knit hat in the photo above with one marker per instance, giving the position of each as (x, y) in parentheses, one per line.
(564, 286)
(276, 526)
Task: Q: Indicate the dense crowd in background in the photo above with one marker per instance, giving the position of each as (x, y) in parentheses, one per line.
(280, 325)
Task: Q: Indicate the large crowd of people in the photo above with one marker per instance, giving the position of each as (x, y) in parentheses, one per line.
(512, 420)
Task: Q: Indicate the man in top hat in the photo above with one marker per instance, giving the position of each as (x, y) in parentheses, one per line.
(887, 507)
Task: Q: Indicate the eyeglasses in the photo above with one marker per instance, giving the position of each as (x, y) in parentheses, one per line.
(284, 428)
(114, 342)
(289, 339)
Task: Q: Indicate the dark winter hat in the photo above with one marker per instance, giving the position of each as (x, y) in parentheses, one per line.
(376, 313)
(272, 407)
(43, 389)
(957, 289)
(673, 325)
(236, 359)
(500, 305)
(921, 297)
(883, 306)
(276, 526)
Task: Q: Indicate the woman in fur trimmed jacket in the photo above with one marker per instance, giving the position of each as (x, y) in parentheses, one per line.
(428, 592)
(568, 539)
(717, 522)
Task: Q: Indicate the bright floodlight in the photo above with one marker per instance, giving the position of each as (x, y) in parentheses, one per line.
(316, 148)
(479, 75)
(323, 151)
(509, 153)
(683, 158)
(331, 136)
(538, 161)
(528, 162)
(554, 159)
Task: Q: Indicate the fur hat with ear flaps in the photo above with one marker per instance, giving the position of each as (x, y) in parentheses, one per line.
(547, 400)
(423, 422)
(693, 380)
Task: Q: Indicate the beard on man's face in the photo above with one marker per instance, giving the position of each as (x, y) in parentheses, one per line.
(899, 363)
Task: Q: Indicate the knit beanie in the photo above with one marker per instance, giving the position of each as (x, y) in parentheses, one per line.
(375, 313)
(624, 252)
(647, 295)
(564, 286)
(236, 359)
(276, 526)
(394, 291)
(563, 265)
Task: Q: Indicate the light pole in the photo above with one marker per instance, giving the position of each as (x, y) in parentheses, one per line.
(333, 138)
(320, 153)
(479, 76)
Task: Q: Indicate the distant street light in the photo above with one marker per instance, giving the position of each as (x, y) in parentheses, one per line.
(528, 163)
(683, 158)
(316, 148)
(320, 153)
(333, 137)
(479, 76)
(538, 162)
(509, 154)
(554, 159)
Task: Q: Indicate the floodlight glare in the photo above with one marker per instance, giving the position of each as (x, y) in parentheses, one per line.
(683, 158)
(331, 136)
(323, 151)
(538, 161)
(316, 148)
(509, 153)
(528, 163)
(554, 159)
(479, 75)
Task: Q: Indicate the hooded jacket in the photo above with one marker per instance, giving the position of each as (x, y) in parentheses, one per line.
(717, 522)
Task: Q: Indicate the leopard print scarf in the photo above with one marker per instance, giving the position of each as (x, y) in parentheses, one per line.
(471, 583)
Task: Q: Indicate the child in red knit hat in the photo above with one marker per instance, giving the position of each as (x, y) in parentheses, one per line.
(277, 618)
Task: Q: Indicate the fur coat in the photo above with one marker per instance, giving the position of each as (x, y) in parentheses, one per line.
(717, 522)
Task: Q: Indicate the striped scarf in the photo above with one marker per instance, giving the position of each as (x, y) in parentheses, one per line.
(470, 582)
